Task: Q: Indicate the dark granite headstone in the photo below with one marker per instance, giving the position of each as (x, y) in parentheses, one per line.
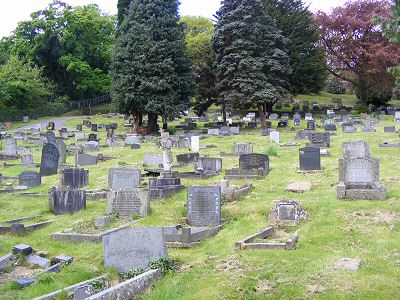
(389, 129)
(30, 179)
(50, 136)
(310, 159)
(49, 161)
(74, 178)
(79, 127)
(184, 159)
(253, 161)
(204, 205)
(66, 200)
(94, 127)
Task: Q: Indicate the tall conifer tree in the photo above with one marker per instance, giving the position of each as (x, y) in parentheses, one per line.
(251, 60)
(151, 71)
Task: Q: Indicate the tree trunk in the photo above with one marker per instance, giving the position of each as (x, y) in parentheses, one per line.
(262, 116)
(165, 123)
(268, 107)
(140, 119)
(152, 123)
(223, 106)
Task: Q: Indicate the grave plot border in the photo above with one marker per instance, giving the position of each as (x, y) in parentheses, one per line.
(89, 238)
(187, 238)
(256, 174)
(248, 243)
(233, 195)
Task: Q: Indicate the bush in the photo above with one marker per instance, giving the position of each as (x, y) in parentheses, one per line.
(335, 85)
(271, 151)
(396, 91)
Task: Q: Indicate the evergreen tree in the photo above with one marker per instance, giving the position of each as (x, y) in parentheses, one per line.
(151, 71)
(251, 60)
(123, 9)
(307, 60)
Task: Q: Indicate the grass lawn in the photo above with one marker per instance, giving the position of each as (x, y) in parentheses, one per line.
(369, 230)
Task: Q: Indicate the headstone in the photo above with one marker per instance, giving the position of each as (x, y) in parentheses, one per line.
(25, 119)
(273, 116)
(27, 160)
(310, 125)
(320, 139)
(75, 178)
(49, 161)
(274, 136)
(287, 212)
(91, 146)
(11, 146)
(135, 248)
(195, 143)
(94, 127)
(397, 117)
(253, 161)
(79, 127)
(310, 159)
(66, 200)
(102, 221)
(51, 126)
(151, 159)
(368, 128)
(50, 136)
(132, 139)
(62, 149)
(128, 203)
(29, 179)
(86, 160)
(204, 206)
(389, 129)
(242, 148)
(347, 128)
(356, 149)
(124, 179)
(208, 165)
(184, 159)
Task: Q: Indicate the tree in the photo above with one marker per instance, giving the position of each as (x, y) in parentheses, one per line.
(356, 50)
(251, 60)
(199, 32)
(72, 45)
(391, 31)
(151, 72)
(307, 59)
(23, 86)
(123, 9)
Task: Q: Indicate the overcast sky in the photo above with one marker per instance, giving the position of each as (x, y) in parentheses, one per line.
(14, 11)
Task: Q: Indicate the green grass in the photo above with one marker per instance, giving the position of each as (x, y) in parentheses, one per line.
(369, 230)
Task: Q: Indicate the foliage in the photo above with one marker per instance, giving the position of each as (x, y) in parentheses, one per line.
(199, 32)
(396, 91)
(166, 265)
(271, 151)
(123, 9)
(335, 85)
(23, 86)
(391, 31)
(357, 52)
(72, 45)
(151, 71)
(251, 60)
(307, 59)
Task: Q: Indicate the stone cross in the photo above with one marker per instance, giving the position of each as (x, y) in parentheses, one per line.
(166, 145)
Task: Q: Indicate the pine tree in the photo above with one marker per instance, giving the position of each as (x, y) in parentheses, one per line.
(307, 60)
(251, 59)
(151, 71)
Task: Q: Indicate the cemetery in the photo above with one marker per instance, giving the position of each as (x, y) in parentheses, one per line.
(141, 152)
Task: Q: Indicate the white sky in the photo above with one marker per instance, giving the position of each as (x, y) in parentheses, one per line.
(14, 11)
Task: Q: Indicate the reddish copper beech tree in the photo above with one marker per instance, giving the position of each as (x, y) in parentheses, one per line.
(356, 50)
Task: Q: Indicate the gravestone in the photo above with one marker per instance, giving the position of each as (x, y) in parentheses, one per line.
(397, 116)
(75, 178)
(124, 179)
(151, 159)
(94, 127)
(135, 248)
(50, 137)
(368, 128)
(79, 127)
(51, 126)
(80, 137)
(242, 148)
(184, 159)
(11, 146)
(62, 149)
(287, 212)
(27, 160)
(310, 125)
(49, 161)
(167, 184)
(274, 136)
(348, 128)
(91, 146)
(389, 129)
(132, 139)
(195, 143)
(253, 161)
(273, 116)
(204, 206)
(208, 165)
(92, 137)
(359, 174)
(66, 200)
(86, 160)
(128, 203)
(29, 179)
(310, 159)
(320, 139)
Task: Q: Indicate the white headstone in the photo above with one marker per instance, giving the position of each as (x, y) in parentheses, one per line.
(195, 143)
(274, 137)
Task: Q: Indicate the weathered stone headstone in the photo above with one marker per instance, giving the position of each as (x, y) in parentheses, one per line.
(320, 139)
(49, 161)
(208, 165)
(397, 116)
(310, 159)
(184, 159)
(274, 136)
(27, 160)
(50, 136)
(151, 159)
(86, 160)
(242, 148)
(254, 161)
(126, 203)
(91, 146)
(29, 179)
(204, 206)
(132, 139)
(62, 149)
(75, 178)
(66, 200)
(348, 128)
(135, 248)
(287, 212)
(124, 179)
(11, 146)
(389, 129)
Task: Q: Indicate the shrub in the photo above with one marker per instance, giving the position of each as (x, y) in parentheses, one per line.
(335, 85)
